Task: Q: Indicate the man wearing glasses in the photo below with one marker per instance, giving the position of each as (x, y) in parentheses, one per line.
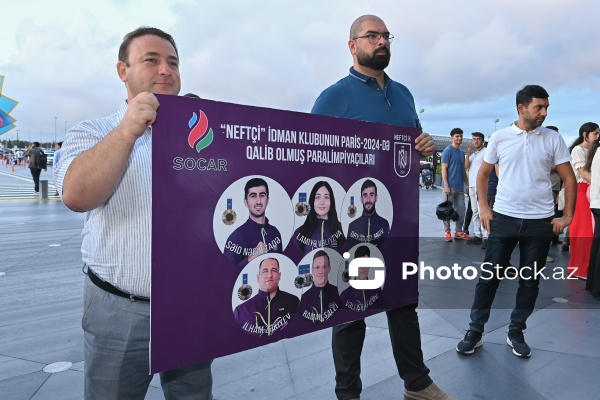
(473, 162)
(368, 94)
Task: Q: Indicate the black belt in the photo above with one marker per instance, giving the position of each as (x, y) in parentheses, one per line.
(107, 287)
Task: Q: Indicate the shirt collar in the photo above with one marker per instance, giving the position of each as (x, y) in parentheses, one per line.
(518, 130)
(366, 78)
(265, 295)
(122, 109)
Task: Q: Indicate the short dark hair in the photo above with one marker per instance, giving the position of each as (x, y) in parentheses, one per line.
(456, 131)
(479, 135)
(142, 31)
(526, 95)
(36, 144)
(362, 251)
(59, 144)
(367, 184)
(322, 253)
(255, 182)
(552, 127)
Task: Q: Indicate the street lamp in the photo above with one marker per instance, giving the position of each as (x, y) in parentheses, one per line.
(66, 128)
(55, 118)
(495, 122)
(421, 111)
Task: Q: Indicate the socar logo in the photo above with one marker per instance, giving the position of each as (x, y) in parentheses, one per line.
(201, 136)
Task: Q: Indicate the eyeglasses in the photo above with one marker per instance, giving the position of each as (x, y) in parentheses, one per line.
(374, 37)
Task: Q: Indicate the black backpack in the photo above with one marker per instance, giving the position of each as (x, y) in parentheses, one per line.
(41, 160)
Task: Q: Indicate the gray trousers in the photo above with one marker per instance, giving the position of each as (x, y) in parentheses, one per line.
(478, 229)
(457, 197)
(116, 356)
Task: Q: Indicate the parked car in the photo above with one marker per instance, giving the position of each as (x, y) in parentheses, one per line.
(50, 155)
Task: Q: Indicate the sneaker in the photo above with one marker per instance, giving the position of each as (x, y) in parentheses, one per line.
(484, 244)
(431, 392)
(466, 231)
(516, 340)
(448, 237)
(470, 342)
(461, 235)
(474, 240)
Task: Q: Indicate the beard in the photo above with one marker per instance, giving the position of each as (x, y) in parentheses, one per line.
(374, 61)
(534, 122)
(370, 212)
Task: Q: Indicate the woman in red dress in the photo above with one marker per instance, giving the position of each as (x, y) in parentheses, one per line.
(580, 230)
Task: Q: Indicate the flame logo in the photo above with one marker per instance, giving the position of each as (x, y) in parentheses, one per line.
(201, 136)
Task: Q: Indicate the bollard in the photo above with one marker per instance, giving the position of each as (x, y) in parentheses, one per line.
(44, 189)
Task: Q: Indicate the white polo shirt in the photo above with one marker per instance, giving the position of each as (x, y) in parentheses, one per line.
(525, 159)
(475, 161)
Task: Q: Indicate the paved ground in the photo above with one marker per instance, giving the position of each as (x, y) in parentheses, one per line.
(19, 184)
(41, 307)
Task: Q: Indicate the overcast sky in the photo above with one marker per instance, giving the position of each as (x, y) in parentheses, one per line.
(462, 60)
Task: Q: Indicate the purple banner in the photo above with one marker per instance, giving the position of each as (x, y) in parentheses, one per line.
(257, 216)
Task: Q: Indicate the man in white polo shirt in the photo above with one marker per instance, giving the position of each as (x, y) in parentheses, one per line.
(523, 213)
(473, 160)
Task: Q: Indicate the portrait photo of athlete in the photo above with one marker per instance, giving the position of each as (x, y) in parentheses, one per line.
(321, 226)
(271, 308)
(321, 300)
(372, 223)
(268, 226)
(359, 299)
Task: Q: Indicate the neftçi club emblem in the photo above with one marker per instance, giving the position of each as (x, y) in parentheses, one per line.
(402, 158)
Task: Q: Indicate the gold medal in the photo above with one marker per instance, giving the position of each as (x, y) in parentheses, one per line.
(229, 216)
(304, 278)
(301, 208)
(352, 208)
(245, 291)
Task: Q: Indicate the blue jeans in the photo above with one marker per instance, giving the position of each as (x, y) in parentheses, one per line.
(116, 357)
(533, 237)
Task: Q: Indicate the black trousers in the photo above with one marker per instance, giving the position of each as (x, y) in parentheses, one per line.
(468, 216)
(405, 334)
(593, 279)
(35, 173)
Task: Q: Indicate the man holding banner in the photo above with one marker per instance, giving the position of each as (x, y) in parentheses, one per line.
(369, 94)
(116, 245)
